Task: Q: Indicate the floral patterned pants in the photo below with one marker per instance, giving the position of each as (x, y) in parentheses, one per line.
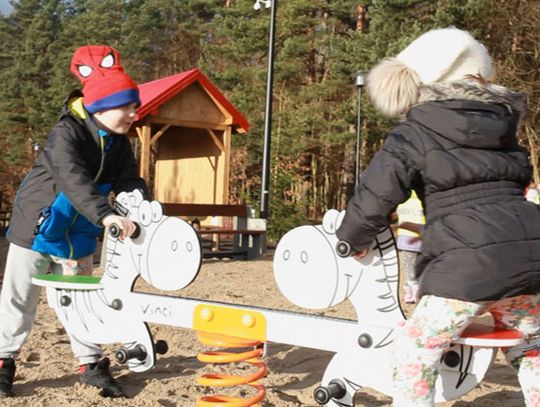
(437, 321)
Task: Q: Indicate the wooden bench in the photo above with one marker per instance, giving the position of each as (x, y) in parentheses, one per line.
(5, 217)
(248, 243)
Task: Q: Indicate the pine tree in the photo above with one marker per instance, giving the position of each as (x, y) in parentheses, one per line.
(320, 46)
(22, 92)
(163, 37)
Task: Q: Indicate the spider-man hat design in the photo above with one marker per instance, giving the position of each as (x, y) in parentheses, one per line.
(105, 84)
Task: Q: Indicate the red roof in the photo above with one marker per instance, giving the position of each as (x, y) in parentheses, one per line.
(156, 93)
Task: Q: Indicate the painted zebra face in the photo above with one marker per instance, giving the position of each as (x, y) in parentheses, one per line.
(167, 254)
(307, 270)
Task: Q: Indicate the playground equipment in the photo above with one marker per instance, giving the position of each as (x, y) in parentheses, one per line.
(252, 356)
(308, 271)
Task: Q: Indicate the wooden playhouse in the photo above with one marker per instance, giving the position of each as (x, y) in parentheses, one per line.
(193, 123)
(184, 129)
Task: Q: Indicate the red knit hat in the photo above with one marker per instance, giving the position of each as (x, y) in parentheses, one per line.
(105, 84)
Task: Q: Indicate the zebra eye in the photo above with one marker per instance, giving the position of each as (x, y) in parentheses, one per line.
(157, 211)
(145, 213)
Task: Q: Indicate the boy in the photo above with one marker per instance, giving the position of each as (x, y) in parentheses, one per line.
(62, 205)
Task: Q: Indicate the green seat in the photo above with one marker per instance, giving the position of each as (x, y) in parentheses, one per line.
(68, 282)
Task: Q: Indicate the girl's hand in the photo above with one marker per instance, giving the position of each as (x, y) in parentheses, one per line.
(361, 254)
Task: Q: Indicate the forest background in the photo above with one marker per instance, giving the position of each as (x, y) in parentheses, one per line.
(320, 46)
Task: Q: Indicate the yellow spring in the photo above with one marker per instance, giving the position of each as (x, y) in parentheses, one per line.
(252, 356)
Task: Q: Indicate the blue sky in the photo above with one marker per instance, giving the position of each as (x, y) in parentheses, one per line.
(5, 7)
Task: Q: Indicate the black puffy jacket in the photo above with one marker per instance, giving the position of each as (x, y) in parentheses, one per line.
(458, 151)
(66, 190)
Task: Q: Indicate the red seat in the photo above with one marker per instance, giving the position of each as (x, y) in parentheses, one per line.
(490, 336)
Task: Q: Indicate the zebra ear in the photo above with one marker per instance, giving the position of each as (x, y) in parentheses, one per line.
(329, 223)
(122, 203)
(340, 219)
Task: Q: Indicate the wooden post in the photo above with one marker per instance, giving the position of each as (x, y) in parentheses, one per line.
(227, 136)
(145, 137)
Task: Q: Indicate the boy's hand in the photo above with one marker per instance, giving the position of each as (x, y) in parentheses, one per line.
(126, 226)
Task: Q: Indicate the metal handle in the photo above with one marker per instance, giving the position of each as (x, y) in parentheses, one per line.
(115, 230)
(343, 249)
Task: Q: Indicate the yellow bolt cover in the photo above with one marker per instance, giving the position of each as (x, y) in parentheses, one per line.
(248, 321)
(230, 321)
(207, 314)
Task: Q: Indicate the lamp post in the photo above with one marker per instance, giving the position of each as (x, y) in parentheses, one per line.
(36, 150)
(359, 86)
(272, 4)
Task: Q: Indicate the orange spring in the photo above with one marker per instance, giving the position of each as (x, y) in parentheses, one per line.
(252, 356)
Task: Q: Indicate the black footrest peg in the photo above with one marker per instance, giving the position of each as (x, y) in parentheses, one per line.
(161, 347)
(124, 355)
(336, 389)
(139, 352)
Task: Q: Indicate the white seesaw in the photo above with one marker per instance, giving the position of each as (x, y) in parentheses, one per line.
(167, 254)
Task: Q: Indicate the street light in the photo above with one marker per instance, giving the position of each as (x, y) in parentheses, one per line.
(359, 85)
(272, 4)
(36, 150)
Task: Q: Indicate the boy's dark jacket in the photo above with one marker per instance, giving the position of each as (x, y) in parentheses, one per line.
(457, 149)
(60, 204)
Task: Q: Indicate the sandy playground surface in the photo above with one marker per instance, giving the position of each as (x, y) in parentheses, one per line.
(47, 372)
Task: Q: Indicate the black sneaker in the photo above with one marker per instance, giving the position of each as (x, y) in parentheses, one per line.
(98, 375)
(7, 373)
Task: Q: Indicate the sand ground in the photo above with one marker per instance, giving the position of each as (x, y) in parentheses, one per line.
(47, 371)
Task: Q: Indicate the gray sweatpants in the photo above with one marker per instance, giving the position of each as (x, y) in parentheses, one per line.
(19, 299)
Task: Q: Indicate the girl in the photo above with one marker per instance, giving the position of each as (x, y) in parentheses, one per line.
(456, 148)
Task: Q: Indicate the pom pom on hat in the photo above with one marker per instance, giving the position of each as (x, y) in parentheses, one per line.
(442, 55)
(105, 84)
(393, 87)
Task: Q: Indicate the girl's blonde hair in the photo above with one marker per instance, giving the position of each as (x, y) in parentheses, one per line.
(393, 87)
